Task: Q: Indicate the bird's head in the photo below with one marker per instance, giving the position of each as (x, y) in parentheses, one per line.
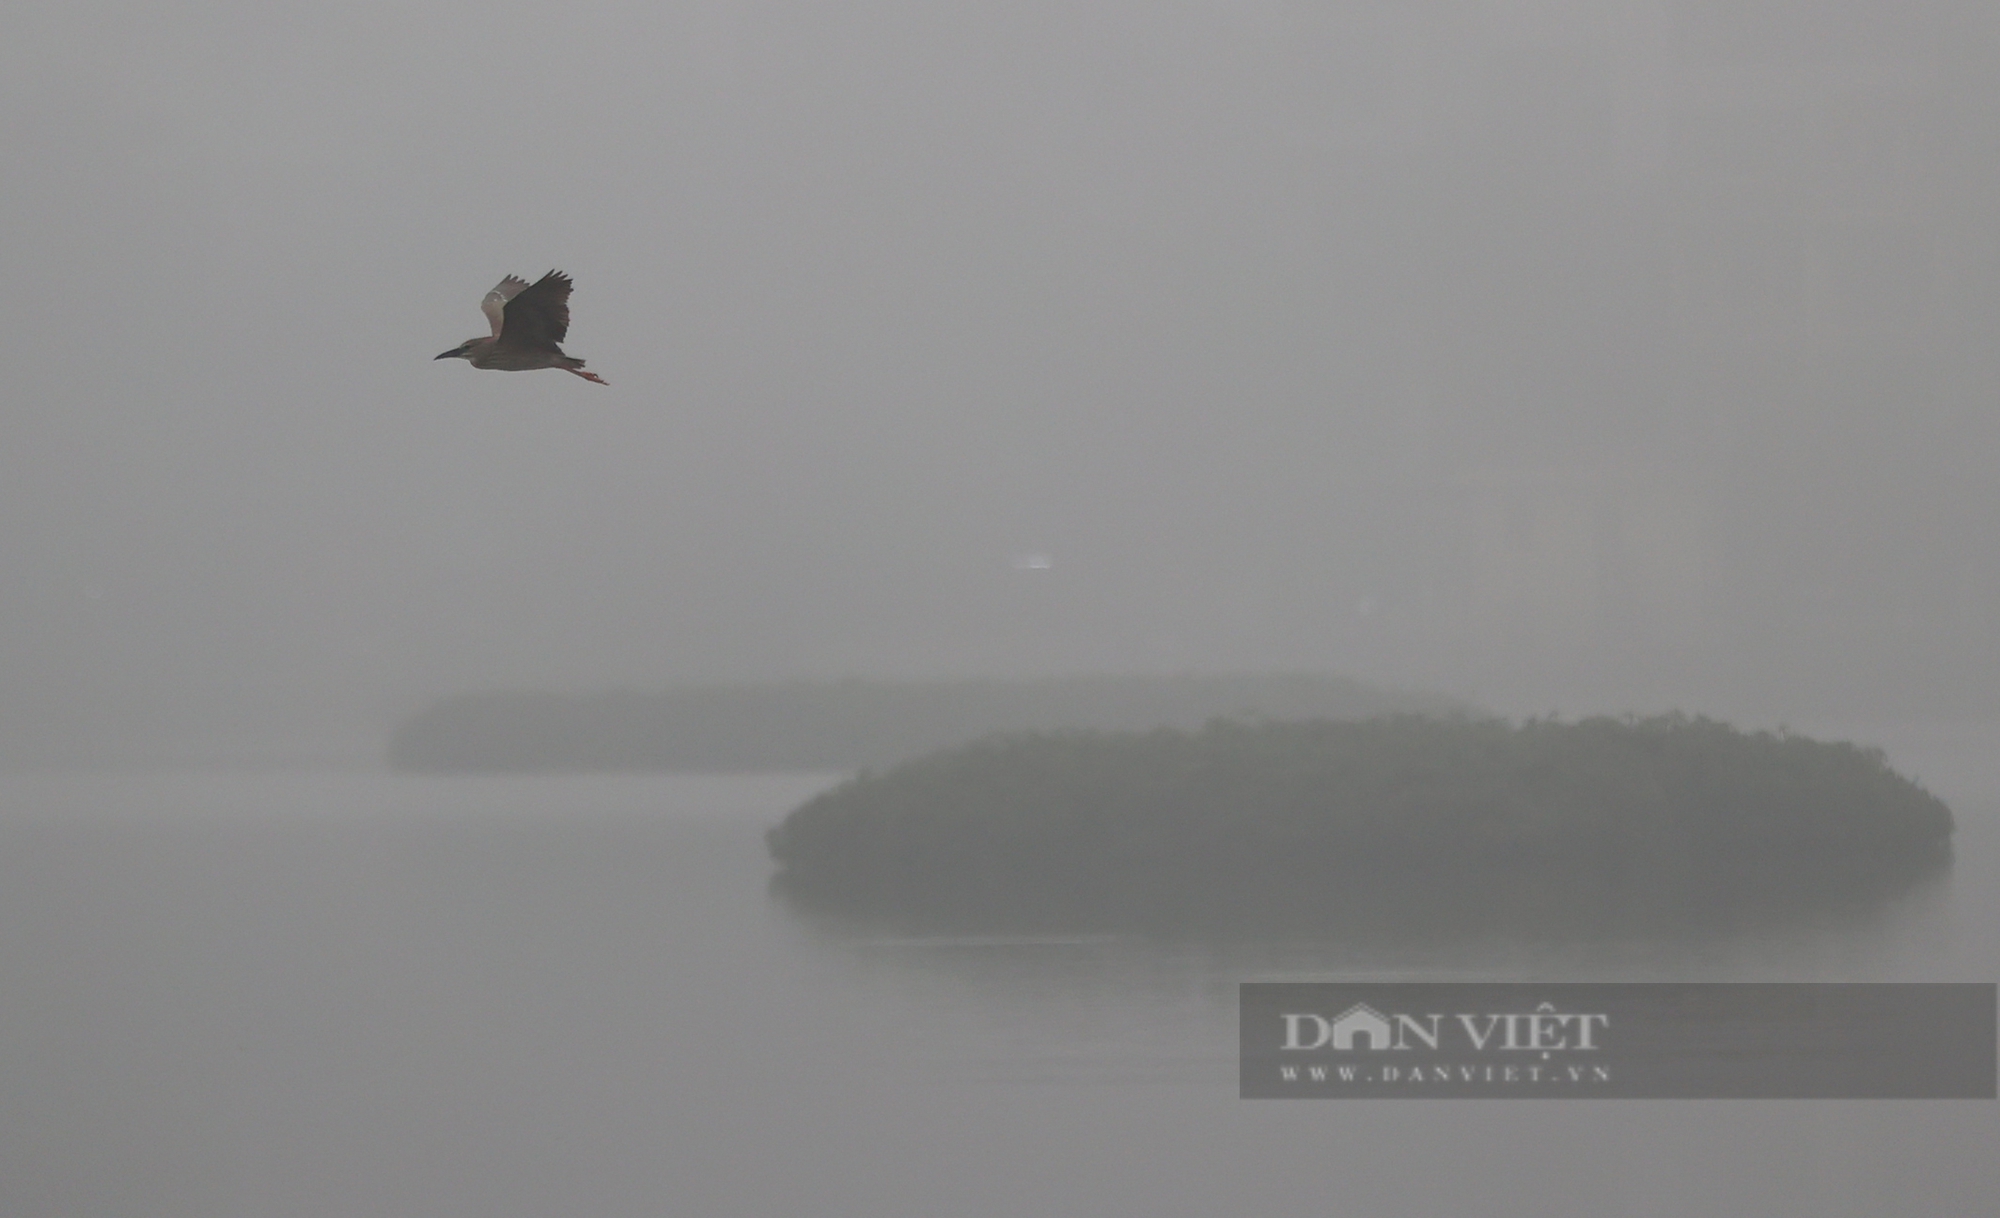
(462, 350)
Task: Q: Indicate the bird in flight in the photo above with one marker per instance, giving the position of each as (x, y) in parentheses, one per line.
(528, 322)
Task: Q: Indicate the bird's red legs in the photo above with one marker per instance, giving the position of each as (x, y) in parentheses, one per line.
(588, 376)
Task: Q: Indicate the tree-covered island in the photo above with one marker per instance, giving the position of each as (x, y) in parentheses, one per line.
(1387, 823)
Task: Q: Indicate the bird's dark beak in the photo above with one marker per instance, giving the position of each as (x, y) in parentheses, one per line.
(449, 354)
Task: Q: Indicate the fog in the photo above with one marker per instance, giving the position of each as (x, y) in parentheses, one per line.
(1550, 354)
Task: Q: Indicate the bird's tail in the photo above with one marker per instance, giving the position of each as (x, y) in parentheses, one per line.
(573, 364)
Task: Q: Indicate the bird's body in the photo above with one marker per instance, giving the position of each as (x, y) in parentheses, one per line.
(528, 321)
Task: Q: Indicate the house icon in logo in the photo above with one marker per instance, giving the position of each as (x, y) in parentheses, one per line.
(1362, 1020)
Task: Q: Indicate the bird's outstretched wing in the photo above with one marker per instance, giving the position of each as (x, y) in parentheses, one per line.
(495, 303)
(536, 317)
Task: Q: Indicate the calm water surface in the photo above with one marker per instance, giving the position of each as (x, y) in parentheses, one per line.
(339, 993)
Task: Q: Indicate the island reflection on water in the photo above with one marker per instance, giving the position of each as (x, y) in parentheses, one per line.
(1418, 914)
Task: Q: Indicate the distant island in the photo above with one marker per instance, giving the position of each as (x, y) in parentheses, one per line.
(1400, 824)
(841, 725)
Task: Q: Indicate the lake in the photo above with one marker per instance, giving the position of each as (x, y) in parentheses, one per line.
(339, 993)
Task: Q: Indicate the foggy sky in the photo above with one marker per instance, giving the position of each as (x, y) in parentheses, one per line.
(1546, 352)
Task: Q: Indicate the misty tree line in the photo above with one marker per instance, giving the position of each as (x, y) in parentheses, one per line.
(1687, 817)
